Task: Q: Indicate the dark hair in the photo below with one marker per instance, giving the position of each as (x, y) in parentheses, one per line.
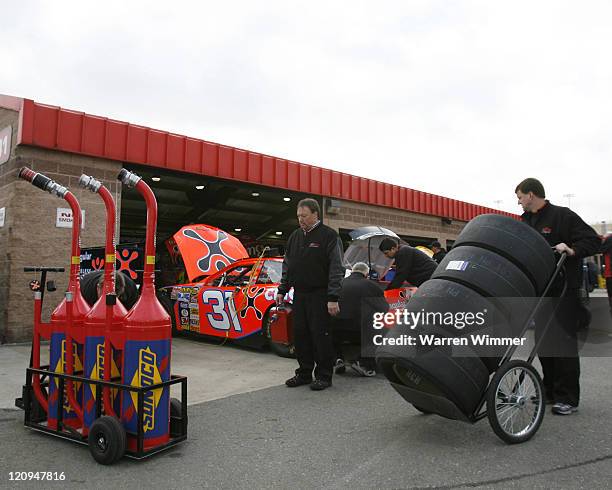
(311, 204)
(531, 185)
(436, 244)
(387, 244)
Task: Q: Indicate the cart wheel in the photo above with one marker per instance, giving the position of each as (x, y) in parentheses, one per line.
(107, 440)
(176, 410)
(515, 402)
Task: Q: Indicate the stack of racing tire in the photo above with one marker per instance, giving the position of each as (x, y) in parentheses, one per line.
(497, 269)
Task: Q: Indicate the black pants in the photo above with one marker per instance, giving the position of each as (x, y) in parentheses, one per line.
(609, 288)
(311, 335)
(558, 352)
(348, 331)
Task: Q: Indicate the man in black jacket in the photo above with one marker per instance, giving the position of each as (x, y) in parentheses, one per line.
(411, 264)
(313, 267)
(360, 298)
(438, 252)
(567, 233)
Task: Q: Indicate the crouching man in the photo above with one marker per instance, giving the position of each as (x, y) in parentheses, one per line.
(359, 299)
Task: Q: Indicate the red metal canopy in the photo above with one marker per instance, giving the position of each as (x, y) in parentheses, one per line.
(76, 132)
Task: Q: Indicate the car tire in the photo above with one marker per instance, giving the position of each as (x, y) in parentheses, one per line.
(486, 272)
(107, 440)
(89, 290)
(515, 241)
(501, 318)
(462, 380)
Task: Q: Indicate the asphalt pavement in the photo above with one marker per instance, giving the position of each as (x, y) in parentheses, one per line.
(357, 434)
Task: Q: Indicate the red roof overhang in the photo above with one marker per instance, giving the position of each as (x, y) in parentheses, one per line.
(61, 129)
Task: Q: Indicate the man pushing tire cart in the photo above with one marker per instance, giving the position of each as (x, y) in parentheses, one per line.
(108, 380)
(501, 274)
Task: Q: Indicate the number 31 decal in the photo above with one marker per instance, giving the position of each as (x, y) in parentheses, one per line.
(223, 315)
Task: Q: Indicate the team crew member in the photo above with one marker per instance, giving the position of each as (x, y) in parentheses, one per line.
(411, 264)
(360, 298)
(438, 252)
(313, 267)
(566, 232)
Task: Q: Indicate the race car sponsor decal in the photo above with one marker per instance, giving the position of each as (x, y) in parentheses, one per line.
(251, 296)
(216, 258)
(270, 295)
(457, 265)
(220, 310)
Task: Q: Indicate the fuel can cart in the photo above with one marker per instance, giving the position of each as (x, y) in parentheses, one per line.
(108, 380)
(107, 438)
(509, 392)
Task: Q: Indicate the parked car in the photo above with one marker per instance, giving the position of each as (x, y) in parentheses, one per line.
(232, 297)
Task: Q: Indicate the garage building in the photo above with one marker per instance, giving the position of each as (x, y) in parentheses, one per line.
(243, 192)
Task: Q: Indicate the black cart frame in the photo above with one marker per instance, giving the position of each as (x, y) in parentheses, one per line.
(35, 416)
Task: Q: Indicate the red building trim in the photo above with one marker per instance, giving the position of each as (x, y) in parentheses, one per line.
(76, 132)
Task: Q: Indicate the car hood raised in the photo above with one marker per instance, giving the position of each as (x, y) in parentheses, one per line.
(206, 250)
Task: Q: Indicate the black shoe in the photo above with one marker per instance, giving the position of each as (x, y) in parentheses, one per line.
(297, 381)
(320, 384)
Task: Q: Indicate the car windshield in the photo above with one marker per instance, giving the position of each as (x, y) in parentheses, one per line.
(235, 276)
(271, 272)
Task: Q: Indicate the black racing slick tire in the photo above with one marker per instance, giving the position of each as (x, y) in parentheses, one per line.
(89, 290)
(514, 240)
(462, 380)
(107, 440)
(486, 272)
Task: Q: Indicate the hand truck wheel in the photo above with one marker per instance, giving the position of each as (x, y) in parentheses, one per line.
(176, 418)
(515, 402)
(107, 440)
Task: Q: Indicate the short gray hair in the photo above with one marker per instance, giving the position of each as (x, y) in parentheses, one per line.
(361, 267)
(311, 204)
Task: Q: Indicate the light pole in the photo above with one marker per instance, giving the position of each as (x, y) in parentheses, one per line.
(569, 199)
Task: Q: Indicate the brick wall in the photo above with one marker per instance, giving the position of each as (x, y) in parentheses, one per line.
(353, 215)
(7, 118)
(30, 237)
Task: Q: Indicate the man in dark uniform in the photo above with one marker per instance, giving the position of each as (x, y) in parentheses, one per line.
(567, 233)
(411, 264)
(438, 252)
(313, 267)
(360, 298)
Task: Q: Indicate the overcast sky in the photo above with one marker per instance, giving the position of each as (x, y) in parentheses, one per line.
(459, 98)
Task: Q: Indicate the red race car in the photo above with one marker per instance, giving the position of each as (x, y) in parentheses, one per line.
(231, 296)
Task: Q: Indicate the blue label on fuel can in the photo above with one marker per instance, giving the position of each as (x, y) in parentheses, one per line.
(94, 369)
(57, 363)
(147, 363)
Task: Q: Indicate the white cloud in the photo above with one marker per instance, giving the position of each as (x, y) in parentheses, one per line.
(462, 98)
